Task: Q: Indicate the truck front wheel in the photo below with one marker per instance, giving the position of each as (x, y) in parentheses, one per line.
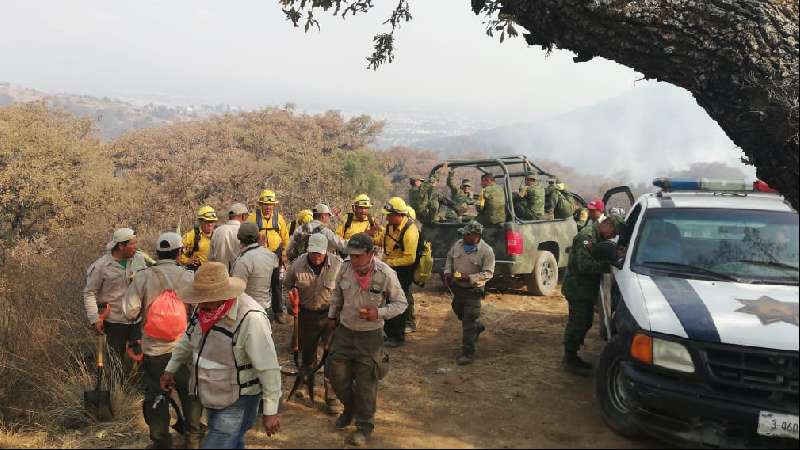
(611, 392)
(544, 279)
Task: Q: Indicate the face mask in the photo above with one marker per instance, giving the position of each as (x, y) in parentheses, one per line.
(470, 248)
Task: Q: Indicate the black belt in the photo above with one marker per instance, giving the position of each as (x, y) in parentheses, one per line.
(315, 311)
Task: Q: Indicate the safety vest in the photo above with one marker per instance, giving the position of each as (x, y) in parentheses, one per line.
(218, 379)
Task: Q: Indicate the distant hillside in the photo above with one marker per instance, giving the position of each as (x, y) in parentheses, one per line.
(113, 117)
(654, 129)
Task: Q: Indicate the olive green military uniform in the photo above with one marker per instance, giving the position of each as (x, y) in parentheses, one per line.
(493, 210)
(581, 287)
(461, 200)
(425, 201)
(531, 202)
(565, 207)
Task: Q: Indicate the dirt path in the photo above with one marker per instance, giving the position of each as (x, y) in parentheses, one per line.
(513, 396)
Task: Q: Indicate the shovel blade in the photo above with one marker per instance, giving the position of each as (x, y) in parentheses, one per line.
(98, 405)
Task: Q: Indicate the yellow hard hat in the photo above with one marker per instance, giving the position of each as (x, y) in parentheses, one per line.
(412, 213)
(206, 214)
(395, 205)
(362, 201)
(268, 197)
(304, 216)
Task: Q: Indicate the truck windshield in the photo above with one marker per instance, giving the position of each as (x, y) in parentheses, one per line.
(742, 245)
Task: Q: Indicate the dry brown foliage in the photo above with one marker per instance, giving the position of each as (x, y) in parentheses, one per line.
(62, 193)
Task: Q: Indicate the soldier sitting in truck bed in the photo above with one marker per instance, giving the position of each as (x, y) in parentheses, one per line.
(492, 207)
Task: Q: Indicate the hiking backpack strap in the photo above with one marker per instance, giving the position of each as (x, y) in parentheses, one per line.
(349, 222)
(196, 241)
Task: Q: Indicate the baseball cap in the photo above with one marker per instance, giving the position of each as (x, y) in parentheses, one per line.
(238, 209)
(317, 243)
(322, 209)
(358, 244)
(121, 235)
(248, 231)
(596, 204)
(168, 242)
(472, 227)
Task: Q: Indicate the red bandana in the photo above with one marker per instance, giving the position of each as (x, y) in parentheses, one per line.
(364, 280)
(208, 319)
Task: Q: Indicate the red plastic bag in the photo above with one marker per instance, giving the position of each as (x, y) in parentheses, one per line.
(166, 317)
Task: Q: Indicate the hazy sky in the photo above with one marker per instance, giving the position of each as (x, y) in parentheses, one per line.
(245, 53)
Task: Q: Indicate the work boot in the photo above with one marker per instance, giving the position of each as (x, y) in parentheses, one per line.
(333, 407)
(344, 421)
(464, 360)
(393, 343)
(160, 445)
(481, 329)
(191, 442)
(575, 365)
(358, 438)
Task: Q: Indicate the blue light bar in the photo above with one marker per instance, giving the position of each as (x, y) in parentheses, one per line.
(677, 184)
(701, 184)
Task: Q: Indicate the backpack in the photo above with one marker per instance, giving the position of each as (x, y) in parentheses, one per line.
(424, 264)
(302, 245)
(349, 222)
(401, 245)
(275, 222)
(196, 243)
(166, 316)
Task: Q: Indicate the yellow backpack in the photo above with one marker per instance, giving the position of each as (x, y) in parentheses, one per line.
(424, 266)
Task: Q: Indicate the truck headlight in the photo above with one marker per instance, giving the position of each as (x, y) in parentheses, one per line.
(672, 355)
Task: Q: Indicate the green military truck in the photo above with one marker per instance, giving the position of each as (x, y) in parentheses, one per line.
(532, 251)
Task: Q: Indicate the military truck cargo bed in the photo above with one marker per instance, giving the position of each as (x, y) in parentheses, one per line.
(530, 250)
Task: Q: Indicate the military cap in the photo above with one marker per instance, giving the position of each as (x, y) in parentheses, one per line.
(472, 227)
(466, 182)
(358, 244)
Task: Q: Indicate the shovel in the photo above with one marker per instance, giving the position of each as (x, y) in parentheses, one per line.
(98, 402)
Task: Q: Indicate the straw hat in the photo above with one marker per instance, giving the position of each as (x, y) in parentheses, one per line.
(212, 284)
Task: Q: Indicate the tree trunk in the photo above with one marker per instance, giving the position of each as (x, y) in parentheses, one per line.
(739, 58)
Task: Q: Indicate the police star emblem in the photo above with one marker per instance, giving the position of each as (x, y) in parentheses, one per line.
(769, 310)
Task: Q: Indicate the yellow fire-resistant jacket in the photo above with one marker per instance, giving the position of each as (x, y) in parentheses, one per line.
(275, 230)
(203, 249)
(400, 255)
(356, 226)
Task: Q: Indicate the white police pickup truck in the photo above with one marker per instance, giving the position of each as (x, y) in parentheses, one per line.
(701, 318)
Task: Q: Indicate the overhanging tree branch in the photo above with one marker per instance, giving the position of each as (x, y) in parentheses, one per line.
(739, 58)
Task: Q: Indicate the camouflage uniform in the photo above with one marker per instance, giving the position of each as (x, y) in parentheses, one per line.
(425, 201)
(461, 200)
(581, 287)
(531, 202)
(492, 211)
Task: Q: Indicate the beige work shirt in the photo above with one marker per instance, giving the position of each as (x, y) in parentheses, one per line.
(254, 346)
(225, 245)
(315, 290)
(107, 282)
(479, 265)
(254, 266)
(146, 286)
(384, 293)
